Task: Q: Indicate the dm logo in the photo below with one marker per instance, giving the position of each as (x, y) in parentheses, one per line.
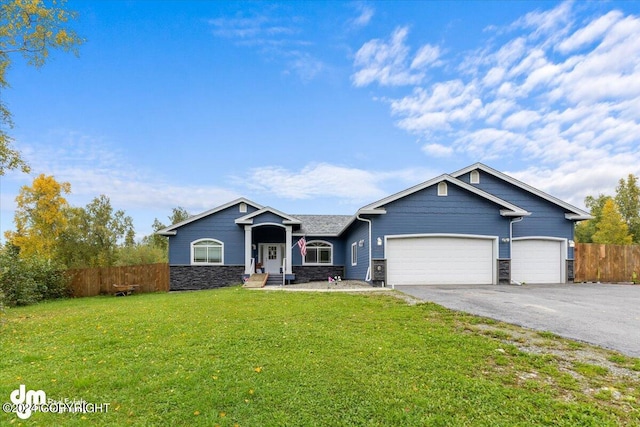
(26, 401)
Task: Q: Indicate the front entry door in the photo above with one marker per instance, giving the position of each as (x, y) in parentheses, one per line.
(272, 257)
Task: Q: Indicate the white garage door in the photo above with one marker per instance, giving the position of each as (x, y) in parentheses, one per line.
(429, 260)
(537, 261)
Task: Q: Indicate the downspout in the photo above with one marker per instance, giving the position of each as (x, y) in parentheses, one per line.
(520, 218)
(367, 277)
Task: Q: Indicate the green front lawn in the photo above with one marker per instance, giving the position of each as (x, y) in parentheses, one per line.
(251, 358)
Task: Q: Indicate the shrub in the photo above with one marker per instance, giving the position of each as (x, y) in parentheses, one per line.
(27, 281)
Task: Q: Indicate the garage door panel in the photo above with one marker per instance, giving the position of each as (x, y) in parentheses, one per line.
(537, 261)
(440, 261)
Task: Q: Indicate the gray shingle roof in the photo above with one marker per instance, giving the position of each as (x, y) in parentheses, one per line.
(322, 224)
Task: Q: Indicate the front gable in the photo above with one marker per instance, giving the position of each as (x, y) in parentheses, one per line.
(439, 187)
(216, 224)
(451, 209)
(550, 216)
(517, 192)
(240, 206)
(267, 215)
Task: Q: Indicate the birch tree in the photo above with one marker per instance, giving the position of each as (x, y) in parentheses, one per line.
(30, 29)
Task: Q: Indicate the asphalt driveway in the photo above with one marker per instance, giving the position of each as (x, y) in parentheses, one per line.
(602, 314)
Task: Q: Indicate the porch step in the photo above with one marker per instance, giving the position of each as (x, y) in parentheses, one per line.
(256, 281)
(274, 279)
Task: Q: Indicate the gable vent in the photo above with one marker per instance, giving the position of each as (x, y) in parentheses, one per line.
(442, 189)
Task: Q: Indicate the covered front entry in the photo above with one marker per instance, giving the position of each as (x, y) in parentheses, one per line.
(441, 260)
(271, 255)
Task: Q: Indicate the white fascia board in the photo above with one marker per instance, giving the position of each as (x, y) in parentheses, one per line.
(576, 217)
(580, 214)
(172, 228)
(505, 212)
(248, 219)
(379, 211)
(375, 208)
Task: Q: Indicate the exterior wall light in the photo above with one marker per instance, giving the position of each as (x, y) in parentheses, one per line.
(505, 240)
(379, 241)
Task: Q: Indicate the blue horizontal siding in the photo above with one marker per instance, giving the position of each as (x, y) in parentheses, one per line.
(359, 230)
(267, 217)
(424, 212)
(220, 226)
(546, 219)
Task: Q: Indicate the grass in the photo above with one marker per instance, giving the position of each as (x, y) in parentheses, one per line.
(249, 358)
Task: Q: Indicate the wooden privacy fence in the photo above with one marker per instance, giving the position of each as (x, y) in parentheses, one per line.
(606, 263)
(88, 282)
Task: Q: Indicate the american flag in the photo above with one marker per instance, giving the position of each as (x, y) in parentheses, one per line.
(302, 243)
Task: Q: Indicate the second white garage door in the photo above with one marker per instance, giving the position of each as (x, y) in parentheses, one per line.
(537, 261)
(440, 260)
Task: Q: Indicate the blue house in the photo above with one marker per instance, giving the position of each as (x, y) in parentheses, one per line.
(473, 226)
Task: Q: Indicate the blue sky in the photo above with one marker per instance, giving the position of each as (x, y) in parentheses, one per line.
(323, 107)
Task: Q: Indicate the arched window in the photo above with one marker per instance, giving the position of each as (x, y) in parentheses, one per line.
(442, 189)
(318, 252)
(207, 251)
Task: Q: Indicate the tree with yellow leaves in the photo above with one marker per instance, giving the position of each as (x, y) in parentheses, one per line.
(612, 228)
(30, 28)
(40, 218)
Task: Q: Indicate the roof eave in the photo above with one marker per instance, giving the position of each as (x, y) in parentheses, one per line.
(578, 213)
(378, 211)
(577, 217)
(516, 214)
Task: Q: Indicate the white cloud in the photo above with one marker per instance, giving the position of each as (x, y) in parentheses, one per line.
(437, 150)
(93, 168)
(315, 180)
(365, 14)
(389, 63)
(593, 31)
(274, 37)
(447, 103)
(550, 25)
(252, 27)
(305, 65)
(427, 55)
(552, 89)
(521, 119)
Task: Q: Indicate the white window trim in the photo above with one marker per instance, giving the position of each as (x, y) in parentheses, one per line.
(354, 253)
(442, 188)
(474, 177)
(311, 242)
(207, 263)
